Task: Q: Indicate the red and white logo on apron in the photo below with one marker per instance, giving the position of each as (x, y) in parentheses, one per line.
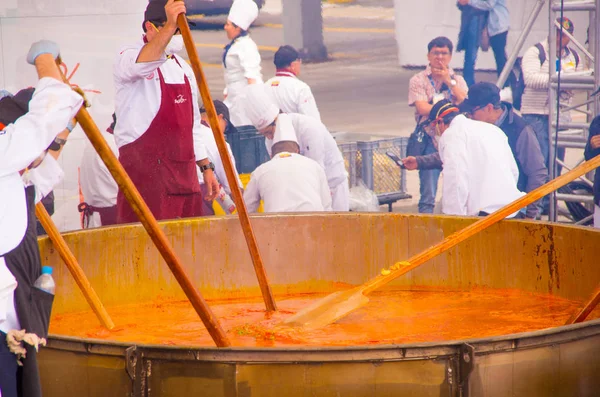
(180, 99)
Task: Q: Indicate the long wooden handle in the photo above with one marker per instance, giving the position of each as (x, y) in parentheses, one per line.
(259, 268)
(460, 236)
(151, 225)
(67, 256)
(587, 308)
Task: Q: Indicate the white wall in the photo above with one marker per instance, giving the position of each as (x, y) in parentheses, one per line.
(417, 22)
(89, 32)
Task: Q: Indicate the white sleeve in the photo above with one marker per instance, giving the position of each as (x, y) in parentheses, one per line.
(250, 61)
(8, 283)
(325, 191)
(52, 106)
(252, 194)
(47, 175)
(307, 104)
(316, 145)
(453, 152)
(199, 145)
(127, 69)
(533, 75)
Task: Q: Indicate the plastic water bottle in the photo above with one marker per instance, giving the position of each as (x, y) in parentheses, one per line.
(45, 282)
(225, 201)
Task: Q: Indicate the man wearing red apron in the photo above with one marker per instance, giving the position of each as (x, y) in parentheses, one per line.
(158, 128)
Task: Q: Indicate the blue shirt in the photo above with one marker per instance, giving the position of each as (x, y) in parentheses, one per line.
(498, 20)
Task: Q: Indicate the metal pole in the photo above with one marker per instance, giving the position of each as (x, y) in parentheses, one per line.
(575, 42)
(552, 95)
(520, 42)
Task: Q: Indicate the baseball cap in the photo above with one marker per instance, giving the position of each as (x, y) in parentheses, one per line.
(479, 95)
(13, 107)
(155, 11)
(221, 108)
(441, 109)
(284, 56)
(567, 24)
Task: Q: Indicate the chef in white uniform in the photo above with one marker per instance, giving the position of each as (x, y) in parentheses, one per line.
(241, 59)
(213, 150)
(289, 182)
(158, 120)
(314, 139)
(480, 171)
(99, 189)
(22, 146)
(291, 94)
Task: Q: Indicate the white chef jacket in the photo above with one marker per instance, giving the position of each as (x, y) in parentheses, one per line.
(137, 94)
(480, 171)
(44, 177)
(288, 182)
(213, 154)
(52, 106)
(316, 143)
(97, 184)
(243, 63)
(8, 283)
(292, 95)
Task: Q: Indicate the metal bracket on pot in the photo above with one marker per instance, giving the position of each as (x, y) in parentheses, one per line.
(131, 361)
(467, 363)
(139, 370)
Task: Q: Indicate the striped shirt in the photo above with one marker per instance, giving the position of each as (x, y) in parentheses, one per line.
(536, 77)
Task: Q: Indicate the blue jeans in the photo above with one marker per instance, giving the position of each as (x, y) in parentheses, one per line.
(540, 124)
(471, 49)
(428, 185)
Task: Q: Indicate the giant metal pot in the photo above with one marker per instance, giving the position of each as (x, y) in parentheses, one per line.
(305, 253)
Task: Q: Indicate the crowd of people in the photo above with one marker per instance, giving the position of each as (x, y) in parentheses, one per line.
(470, 180)
(489, 154)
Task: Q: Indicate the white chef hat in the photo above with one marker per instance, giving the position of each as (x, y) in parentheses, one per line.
(284, 130)
(260, 109)
(243, 13)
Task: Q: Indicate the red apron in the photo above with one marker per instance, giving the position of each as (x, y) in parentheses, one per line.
(161, 163)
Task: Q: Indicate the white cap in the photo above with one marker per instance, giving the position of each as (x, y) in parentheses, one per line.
(243, 13)
(260, 109)
(284, 130)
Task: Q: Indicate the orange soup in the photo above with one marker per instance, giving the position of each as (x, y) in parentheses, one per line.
(390, 317)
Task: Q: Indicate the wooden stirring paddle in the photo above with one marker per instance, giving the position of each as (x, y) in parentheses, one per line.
(339, 304)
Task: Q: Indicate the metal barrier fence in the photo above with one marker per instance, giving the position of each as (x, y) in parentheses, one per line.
(368, 161)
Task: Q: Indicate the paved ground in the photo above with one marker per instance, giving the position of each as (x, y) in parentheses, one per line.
(361, 91)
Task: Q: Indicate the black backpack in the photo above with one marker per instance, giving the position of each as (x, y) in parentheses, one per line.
(517, 84)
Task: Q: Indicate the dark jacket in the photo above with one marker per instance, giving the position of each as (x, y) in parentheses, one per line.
(590, 154)
(431, 161)
(33, 305)
(526, 150)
